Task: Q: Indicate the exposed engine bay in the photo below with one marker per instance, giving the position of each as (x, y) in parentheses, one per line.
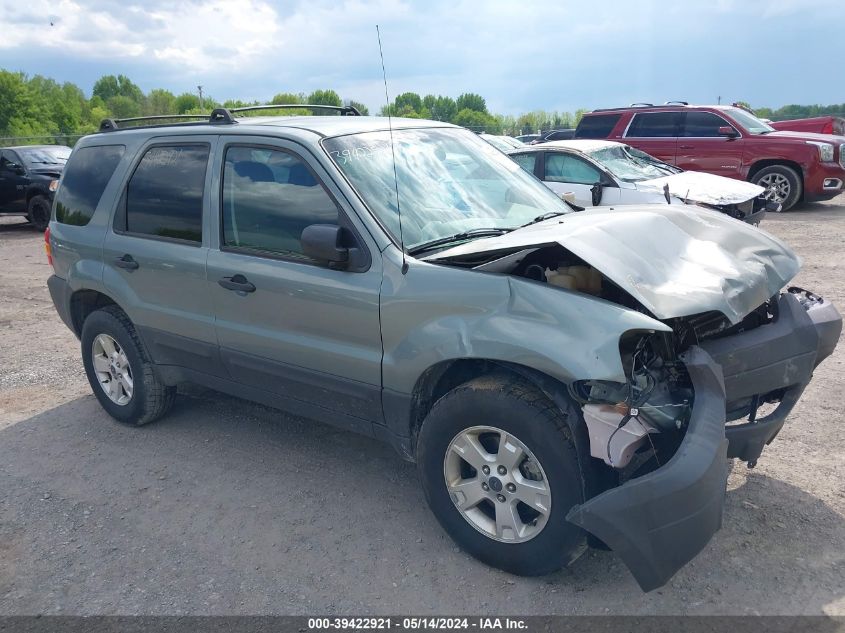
(635, 426)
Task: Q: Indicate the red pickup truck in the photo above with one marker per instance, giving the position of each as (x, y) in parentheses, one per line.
(728, 141)
(819, 124)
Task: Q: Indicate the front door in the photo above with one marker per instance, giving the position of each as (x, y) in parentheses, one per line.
(702, 148)
(287, 324)
(564, 172)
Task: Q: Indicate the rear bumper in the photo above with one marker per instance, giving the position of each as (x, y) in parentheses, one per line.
(658, 522)
(60, 294)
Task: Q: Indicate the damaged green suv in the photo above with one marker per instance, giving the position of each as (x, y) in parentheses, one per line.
(554, 373)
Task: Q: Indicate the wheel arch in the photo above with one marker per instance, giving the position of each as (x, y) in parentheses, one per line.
(772, 162)
(31, 192)
(441, 378)
(85, 301)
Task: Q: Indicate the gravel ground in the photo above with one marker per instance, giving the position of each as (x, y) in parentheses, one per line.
(226, 507)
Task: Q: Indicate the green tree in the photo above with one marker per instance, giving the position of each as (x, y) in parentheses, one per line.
(187, 101)
(160, 101)
(477, 121)
(288, 98)
(324, 97)
(364, 110)
(22, 112)
(110, 86)
(123, 107)
(441, 108)
(408, 103)
(471, 101)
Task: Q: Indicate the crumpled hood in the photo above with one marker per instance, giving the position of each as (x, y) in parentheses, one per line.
(676, 262)
(697, 186)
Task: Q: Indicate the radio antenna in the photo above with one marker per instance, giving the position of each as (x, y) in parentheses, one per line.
(392, 153)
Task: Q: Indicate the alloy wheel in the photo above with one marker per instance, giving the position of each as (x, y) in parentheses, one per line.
(112, 369)
(777, 187)
(497, 484)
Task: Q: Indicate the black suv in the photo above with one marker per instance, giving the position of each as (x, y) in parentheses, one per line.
(29, 176)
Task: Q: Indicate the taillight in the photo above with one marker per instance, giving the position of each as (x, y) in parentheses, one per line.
(47, 248)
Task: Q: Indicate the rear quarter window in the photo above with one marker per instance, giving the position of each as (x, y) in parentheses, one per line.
(85, 178)
(597, 125)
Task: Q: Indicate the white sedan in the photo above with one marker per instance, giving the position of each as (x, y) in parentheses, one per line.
(604, 173)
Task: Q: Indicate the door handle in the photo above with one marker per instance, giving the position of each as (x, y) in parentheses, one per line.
(237, 283)
(687, 146)
(126, 262)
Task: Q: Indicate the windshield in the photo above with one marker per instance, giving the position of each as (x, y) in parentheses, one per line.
(450, 181)
(631, 165)
(45, 155)
(751, 123)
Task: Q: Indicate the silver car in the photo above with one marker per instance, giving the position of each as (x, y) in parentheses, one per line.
(552, 373)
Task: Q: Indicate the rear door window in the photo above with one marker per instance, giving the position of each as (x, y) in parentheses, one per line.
(164, 196)
(597, 125)
(85, 178)
(655, 125)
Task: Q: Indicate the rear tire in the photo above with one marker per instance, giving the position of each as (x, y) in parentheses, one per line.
(121, 376)
(472, 415)
(38, 212)
(782, 184)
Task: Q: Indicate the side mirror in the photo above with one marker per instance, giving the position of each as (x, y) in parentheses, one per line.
(597, 190)
(727, 130)
(325, 243)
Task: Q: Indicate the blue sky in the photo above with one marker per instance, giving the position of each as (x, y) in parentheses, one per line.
(520, 55)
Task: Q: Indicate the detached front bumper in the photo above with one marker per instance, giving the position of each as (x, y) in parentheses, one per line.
(773, 363)
(658, 522)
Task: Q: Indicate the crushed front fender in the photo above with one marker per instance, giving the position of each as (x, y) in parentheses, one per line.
(657, 523)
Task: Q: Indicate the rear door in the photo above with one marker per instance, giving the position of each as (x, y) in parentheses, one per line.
(655, 133)
(297, 328)
(702, 148)
(155, 253)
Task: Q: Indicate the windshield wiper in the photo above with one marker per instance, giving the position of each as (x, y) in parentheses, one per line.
(457, 237)
(550, 214)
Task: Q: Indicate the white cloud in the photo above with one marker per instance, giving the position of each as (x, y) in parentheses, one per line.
(541, 54)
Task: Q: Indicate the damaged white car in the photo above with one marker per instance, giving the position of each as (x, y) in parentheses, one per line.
(607, 173)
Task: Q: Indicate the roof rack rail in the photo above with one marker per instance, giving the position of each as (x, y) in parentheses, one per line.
(641, 104)
(676, 103)
(344, 110)
(217, 116)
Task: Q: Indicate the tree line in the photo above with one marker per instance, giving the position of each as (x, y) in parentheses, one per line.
(37, 109)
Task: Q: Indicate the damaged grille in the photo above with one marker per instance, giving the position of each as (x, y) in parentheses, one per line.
(707, 326)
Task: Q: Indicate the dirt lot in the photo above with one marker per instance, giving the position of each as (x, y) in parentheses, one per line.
(226, 507)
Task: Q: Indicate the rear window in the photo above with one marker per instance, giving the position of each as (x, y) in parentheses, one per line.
(597, 125)
(655, 125)
(85, 178)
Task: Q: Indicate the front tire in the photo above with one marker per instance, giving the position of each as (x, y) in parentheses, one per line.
(122, 378)
(38, 212)
(782, 185)
(500, 472)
